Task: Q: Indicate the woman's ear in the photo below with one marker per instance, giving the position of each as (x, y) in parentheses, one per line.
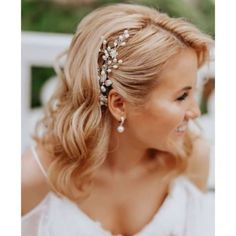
(116, 104)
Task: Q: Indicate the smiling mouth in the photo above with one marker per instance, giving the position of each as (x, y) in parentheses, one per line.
(182, 128)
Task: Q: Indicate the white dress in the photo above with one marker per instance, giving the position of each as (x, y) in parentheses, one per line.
(183, 213)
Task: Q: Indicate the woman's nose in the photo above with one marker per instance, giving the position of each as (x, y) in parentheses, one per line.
(194, 111)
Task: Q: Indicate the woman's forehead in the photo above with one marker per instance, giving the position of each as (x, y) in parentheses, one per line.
(180, 71)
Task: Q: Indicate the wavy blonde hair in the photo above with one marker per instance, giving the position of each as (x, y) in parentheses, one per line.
(76, 130)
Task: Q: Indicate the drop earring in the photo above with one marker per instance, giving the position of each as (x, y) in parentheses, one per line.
(121, 128)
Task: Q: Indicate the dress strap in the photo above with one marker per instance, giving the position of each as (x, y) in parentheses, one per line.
(36, 157)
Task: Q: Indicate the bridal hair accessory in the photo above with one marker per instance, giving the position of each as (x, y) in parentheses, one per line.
(121, 128)
(110, 62)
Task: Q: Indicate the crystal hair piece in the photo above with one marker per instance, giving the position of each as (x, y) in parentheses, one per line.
(110, 62)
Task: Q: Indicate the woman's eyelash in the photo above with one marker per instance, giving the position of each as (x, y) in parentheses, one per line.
(181, 98)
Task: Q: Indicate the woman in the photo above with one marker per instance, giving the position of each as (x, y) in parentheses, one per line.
(116, 155)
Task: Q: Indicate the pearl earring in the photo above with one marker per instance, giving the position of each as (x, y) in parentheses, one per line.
(121, 128)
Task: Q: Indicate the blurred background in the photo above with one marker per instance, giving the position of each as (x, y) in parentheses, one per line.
(47, 28)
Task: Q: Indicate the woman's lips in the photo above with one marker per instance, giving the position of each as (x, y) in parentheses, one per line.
(181, 129)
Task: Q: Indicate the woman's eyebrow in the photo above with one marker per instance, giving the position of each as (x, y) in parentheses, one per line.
(186, 88)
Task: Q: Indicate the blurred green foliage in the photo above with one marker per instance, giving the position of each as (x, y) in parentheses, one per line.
(48, 16)
(39, 76)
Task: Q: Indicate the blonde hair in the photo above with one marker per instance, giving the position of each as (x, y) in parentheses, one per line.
(76, 130)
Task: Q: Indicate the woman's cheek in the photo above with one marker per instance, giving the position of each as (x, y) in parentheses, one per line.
(174, 119)
(174, 113)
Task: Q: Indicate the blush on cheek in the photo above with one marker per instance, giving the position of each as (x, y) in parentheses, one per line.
(160, 119)
(171, 115)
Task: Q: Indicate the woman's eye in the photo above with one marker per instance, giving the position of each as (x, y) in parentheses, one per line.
(183, 97)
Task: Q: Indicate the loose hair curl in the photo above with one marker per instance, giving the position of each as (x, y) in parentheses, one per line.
(76, 130)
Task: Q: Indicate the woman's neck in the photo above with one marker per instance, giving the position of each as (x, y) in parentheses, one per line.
(126, 156)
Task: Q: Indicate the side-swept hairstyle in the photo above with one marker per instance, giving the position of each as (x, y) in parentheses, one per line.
(76, 130)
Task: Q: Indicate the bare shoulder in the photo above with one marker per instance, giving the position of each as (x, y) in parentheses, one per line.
(198, 166)
(34, 185)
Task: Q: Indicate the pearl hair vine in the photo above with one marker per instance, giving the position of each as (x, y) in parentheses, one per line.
(110, 62)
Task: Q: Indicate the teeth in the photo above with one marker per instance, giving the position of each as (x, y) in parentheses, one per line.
(181, 129)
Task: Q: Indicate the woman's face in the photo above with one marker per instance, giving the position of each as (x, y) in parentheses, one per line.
(171, 105)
